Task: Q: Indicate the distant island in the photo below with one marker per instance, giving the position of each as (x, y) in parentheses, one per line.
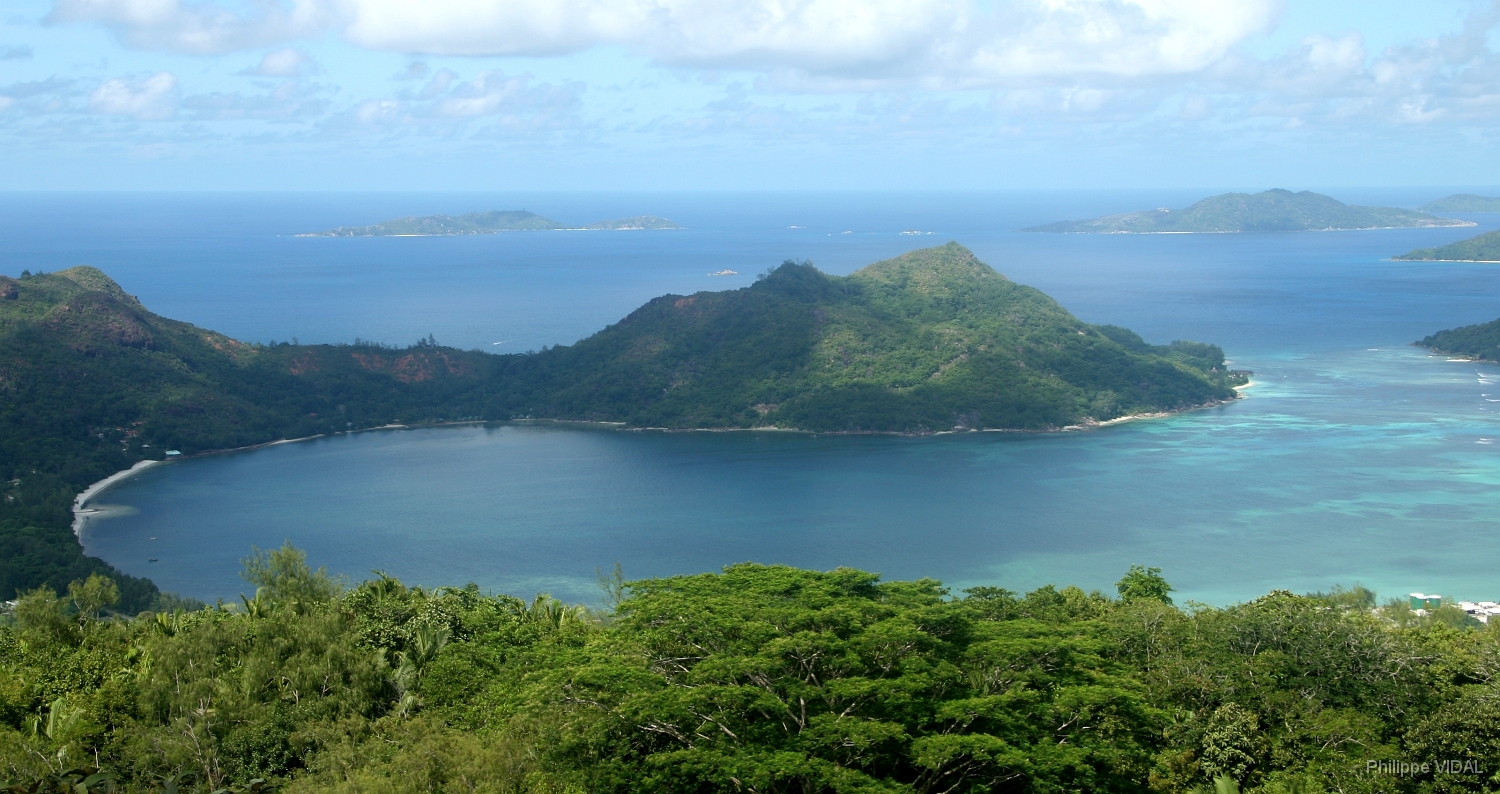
(1484, 248)
(1463, 202)
(1480, 342)
(1271, 211)
(931, 341)
(487, 223)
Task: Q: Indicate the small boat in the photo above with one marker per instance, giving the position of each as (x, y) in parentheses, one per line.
(153, 559)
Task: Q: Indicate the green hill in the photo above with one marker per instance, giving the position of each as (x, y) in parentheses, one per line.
(485, 223)
(1484, 248)
(1480, 341)
(1270, 211)
(928, 341)
(92, 382)
(1463, 202)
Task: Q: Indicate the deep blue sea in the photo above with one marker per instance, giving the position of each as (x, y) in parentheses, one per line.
(1353, 458)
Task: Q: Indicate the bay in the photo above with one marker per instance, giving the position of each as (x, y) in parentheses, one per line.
(1354, 457)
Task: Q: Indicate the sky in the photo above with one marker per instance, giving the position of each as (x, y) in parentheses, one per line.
(746, 94)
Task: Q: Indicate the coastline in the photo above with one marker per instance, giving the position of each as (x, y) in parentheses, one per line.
(81, 511)
(1089, 425)
(1443, 354)
(1468, 261)
(1294, 231)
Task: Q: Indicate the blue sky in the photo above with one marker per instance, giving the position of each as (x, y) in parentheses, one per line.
(746, 94)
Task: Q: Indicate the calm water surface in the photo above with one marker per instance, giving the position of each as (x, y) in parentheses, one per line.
(1354, 457)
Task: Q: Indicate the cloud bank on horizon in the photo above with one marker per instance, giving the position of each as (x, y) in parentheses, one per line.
(753, 88)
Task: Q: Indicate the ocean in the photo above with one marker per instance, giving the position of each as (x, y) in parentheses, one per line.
(1354, 457)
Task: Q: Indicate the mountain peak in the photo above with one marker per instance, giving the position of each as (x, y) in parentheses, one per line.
(930, 270)
(94, 280)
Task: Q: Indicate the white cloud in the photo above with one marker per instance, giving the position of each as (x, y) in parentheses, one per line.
(1331, 81)
(416, 70)
(936, 42)
(203, 28)
(287, 62)
(288, 101)
(514, 102)
(439, 83)
(151, 99)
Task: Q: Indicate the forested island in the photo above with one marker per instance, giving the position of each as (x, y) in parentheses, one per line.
(486, 223)
(1484, 248)
(1463, 202)
(1271, 211)
(755, 679)
(931, 341)
(1480, 342)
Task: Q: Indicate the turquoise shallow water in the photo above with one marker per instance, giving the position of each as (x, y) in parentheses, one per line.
(1354, 457)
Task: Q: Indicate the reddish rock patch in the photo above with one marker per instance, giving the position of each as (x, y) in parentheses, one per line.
(303, 364)
(412, 368)
(370, 361)
(456, 366)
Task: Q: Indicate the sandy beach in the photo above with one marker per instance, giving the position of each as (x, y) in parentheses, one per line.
(81, 511)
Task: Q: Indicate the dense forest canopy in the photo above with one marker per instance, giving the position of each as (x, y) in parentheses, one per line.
(92, 382)
(755, 679)
(1480, 341)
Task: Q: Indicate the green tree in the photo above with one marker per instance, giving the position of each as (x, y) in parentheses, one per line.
(283, 576)
(1142, 583)
(40, 613)
(92, 595)
(1231, 743)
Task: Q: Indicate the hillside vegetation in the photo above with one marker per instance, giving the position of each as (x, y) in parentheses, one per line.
(932, 340)
(756, 679)
(1484, 248)
(1271, 211)
(92, 382)
(1463, 202)
(1480, 341)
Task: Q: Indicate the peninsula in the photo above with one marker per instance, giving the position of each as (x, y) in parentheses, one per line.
(1484, 248)
(1271, 211)
(934, 340)
(1463, 202)
(486, 223)
(1480, 342)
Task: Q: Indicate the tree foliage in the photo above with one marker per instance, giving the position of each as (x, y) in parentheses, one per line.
(758, 678)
